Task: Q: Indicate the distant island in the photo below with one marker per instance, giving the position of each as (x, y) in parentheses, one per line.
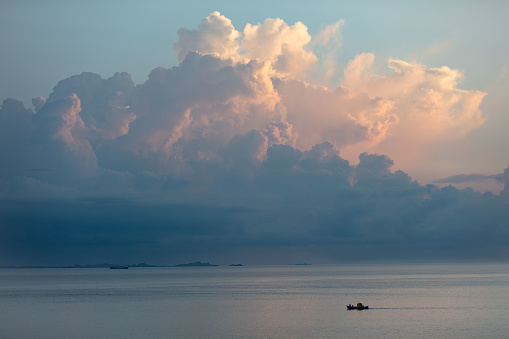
(195, 264)
(103, 265)
(116, 266)
(236, 265)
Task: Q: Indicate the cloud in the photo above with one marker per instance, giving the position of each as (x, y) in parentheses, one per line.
(104, 103)
(327, 46)
(415, 103)
(345, 118)
(190, 112)
(461, 178)
(330, 35)
(215, 35)
(282, 157)
(244, 153)
(280, 133)
(373, 166)
(236, 151)
(422, 96)
(273, 40)
(38, 102)
(283, 45)
(15, 133)
(293, 203)
(427, 107)
(469, 178)
(59, 135)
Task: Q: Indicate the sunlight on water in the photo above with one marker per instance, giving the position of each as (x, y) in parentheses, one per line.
(439, 301)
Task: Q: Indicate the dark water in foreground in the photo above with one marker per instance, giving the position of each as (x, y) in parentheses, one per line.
(406, 301)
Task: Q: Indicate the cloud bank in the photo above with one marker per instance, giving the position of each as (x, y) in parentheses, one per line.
(236, 152)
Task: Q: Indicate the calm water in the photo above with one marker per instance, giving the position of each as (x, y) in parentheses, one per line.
(420, 301)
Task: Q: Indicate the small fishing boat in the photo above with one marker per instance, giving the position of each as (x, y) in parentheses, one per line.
(359, 306)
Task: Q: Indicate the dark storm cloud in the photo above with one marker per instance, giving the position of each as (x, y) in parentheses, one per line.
(80, 230)
(301, 205)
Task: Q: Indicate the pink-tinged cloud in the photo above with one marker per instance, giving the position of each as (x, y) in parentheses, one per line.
(283, 45)
(215, 35)
(426, 102)
(60, 138)
(412, 102)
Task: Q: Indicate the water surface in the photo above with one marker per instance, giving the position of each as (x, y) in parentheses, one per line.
(418, 301)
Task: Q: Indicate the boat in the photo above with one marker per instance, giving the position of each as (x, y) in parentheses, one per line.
(359, 306)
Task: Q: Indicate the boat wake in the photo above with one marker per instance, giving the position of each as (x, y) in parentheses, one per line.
(409, 308)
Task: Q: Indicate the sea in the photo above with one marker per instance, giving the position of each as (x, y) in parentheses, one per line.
(292, 301)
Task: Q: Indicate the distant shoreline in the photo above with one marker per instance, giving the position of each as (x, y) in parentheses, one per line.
(106, 265)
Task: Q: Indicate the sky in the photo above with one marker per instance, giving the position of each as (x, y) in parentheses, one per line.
(267, 133)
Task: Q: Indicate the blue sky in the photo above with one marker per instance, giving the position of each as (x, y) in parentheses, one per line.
(61, 38)
(236, 128)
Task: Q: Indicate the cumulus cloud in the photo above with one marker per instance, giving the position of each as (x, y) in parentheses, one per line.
(104, 103)
(415, 103)
(339, 116)
(280, 133)
(428, 105)
(373, 165)
(274, 40)
(327, 45)
(237, 147)
(59, 141)
(38, 102)
(215, 35)
(283, 45)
